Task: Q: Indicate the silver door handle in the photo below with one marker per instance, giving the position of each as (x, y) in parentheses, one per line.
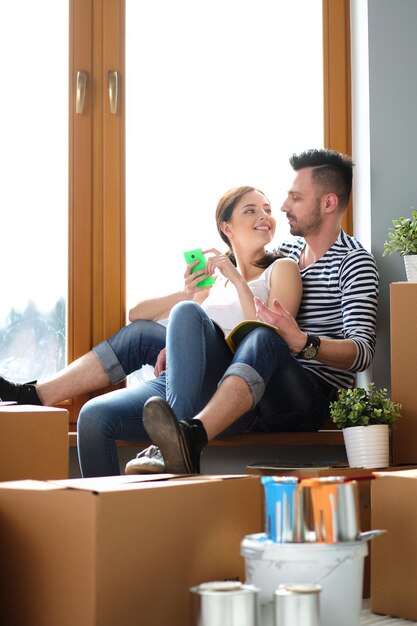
(113, 90)
(80, 92)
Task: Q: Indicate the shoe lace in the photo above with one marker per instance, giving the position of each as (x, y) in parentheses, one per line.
(152, 451)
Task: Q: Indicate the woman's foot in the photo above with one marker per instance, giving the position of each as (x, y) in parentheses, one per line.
(149, 461)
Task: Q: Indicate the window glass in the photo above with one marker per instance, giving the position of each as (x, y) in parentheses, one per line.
(219, 94)
(34, 189)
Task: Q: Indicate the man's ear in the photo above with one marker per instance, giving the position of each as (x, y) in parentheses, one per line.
(331, 203)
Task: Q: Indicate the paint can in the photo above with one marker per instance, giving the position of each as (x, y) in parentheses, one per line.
(335, 508)
(337, 567)
(297, 604)
(225, 603)
(280, 499)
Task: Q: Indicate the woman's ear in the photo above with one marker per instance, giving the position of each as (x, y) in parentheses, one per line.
(226, 229)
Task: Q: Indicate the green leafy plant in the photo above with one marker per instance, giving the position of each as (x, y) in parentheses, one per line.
(364, 407)
(403, 237)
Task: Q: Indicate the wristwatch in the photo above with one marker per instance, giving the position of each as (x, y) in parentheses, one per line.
(310, 349)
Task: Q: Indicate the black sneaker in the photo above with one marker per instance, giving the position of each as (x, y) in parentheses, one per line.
(21, 393)
(178, 441)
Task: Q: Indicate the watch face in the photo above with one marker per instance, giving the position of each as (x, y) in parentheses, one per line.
(310, 352)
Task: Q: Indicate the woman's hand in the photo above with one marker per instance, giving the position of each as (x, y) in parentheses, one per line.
(161, 363)
(191, 280)
(221, 262)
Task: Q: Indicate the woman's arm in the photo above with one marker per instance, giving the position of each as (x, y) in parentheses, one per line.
(159, 308)
(286, 285)
(156, 308)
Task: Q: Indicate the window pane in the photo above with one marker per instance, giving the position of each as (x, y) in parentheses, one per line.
(219, 94)
(34, 189)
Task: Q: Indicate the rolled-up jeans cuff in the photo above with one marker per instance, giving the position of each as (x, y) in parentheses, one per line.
(110, 363)
(250, 376)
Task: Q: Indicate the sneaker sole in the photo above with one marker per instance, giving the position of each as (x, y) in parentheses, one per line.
(136, 468)
(164, 431)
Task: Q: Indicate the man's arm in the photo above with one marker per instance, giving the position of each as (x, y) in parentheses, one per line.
(339, 353)
(359, 296)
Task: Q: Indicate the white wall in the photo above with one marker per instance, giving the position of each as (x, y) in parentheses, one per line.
(384, 92)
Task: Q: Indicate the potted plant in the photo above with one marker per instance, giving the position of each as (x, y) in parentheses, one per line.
(403, 239)
(366, 417)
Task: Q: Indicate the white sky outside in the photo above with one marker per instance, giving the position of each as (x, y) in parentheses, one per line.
(33, 153)
(219, 94)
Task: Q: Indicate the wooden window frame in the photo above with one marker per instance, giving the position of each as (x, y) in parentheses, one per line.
(96, 290)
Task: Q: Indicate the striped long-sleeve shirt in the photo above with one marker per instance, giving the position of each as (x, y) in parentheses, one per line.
(339, 301)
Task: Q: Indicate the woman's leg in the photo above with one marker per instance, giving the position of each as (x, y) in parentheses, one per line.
(112, 416)
(197, 357)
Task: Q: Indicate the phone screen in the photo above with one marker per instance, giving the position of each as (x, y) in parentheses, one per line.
(197, 255)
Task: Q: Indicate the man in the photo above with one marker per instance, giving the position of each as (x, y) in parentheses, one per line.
(290, 379)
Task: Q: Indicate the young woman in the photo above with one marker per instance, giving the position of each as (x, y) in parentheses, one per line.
(197, 354)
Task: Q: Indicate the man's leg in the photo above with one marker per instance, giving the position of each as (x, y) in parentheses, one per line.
(197, 356)
(136, 344)
(241, 388)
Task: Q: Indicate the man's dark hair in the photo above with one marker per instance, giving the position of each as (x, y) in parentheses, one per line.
(332, 171)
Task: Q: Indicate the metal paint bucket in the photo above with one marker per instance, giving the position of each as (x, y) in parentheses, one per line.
(224, 603)
(280, 500)
(297, 605)
(335, 507)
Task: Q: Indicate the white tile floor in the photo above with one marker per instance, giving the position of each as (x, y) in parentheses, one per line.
(370, 619)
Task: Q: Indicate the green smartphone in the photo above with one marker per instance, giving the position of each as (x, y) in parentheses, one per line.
(197, 255)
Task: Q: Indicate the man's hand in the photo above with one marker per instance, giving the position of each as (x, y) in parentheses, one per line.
(284, 321)
(161, 363)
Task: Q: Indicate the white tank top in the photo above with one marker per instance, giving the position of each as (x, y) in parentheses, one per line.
(222, 304)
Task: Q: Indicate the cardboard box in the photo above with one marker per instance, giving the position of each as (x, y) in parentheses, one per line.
(120, 551)
(403, 298)
(33, 442)
(394, 555)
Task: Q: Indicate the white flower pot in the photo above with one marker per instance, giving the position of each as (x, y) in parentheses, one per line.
(367, 446)
(410, 262)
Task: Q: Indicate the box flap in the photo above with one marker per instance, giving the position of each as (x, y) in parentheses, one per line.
(30, 408)
(111, 483)
(104, 484)
(412, 473)
(29, 485)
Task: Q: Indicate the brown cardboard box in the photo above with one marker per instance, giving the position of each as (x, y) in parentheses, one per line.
(403, 366)
(120, 551)
(394, 555)
(33, 442)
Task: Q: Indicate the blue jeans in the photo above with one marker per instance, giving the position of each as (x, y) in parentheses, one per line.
(285, 396)
(116, 415)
